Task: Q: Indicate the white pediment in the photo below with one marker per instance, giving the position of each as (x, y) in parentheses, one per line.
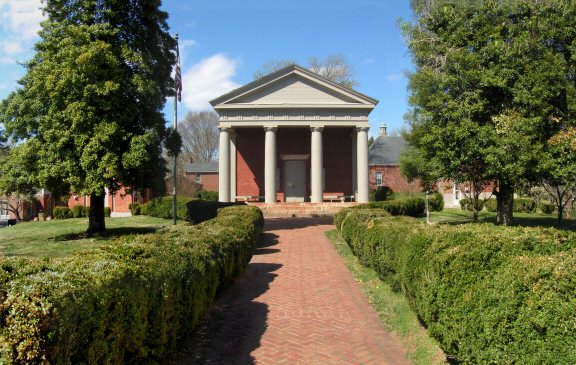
(293, 87)
(292, 90)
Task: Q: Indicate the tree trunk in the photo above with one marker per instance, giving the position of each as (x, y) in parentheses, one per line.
(96, 221)
(475, 208)
(505, 202)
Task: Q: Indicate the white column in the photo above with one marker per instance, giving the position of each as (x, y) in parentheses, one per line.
(224, 165)
(233, 150)
(270, 165)
(362, 165)
(317, 165)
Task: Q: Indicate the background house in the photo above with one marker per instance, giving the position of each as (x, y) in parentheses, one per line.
(205, 173)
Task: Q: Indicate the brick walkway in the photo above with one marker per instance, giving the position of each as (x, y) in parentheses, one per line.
(296, 304)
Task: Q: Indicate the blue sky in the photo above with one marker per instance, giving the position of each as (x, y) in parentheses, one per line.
(224, 42)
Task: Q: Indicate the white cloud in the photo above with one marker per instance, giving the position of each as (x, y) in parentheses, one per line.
(21, 17)
(206, 80)
(3, 86)
(369, 60)
(394, 77)
(11, 47)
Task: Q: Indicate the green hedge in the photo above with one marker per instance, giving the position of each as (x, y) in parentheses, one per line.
(164, 207)
(436, 201)
(62, 213)
(547, 208)
(520, 205)
(382, 193)
(135, 208)
(207, 195)
(80, 211)
(488, 294)
(198, 211)
(413, 207)
(133, 300)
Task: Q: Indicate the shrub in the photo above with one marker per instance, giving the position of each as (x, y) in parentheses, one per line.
(198, 211)
(134, 300)
(62, 213)
(488, 294)
(547, 208)
(413, 207)
(80, 211)
(524, 205)
(465, 204)
(207, 195)
(107, 212)
(436, 201)
(491, 205)
(135, 208)
(383, 193)
(164, 207)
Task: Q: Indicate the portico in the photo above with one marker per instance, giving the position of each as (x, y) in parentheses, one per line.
(293, 136)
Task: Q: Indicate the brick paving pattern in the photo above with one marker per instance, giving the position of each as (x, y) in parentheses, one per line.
(296, 304)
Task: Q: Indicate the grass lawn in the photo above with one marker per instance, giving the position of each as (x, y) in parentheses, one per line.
(60, 238)
(392, 307)
(457, 216)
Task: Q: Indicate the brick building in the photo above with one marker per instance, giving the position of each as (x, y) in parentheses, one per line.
(293, 136)
(205, 173)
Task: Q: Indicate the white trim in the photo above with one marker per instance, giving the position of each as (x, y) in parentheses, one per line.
(294, 123)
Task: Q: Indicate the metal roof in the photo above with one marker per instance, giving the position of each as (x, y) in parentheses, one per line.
(386, 150)
(201, 167)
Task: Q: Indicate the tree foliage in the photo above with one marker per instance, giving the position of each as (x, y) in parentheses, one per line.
(88, 114)
(492, 80)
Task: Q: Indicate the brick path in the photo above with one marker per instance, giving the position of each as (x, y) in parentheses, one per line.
(296, 304)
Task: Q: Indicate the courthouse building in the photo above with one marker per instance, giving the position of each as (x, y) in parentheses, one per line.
(293, 136)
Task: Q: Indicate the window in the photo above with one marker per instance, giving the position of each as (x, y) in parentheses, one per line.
(378, 179)
(198, 177)
(4, 213)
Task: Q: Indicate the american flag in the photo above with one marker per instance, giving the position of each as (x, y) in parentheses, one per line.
(178, 76)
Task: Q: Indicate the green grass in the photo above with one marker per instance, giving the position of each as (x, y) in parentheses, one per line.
(60, 238)
(457, 216)
(392, 307)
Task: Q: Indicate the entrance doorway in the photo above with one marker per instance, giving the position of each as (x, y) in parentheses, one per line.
(294, 181)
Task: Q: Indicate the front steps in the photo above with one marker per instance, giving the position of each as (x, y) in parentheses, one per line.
(285, 210)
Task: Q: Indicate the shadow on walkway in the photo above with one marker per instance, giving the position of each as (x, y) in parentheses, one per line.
(234, 326)
(279, 224)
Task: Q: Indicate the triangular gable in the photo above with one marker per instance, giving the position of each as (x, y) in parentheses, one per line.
(293, 86)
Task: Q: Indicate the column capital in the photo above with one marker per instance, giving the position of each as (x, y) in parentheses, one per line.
(224, 128)
(362, 129)
(270, 128)
(319, 128)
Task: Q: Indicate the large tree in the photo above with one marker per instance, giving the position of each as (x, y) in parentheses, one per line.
(200, 138)
(88, 115)
(490, 79)
(335, 68)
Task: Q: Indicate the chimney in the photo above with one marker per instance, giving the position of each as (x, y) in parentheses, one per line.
(383, 131)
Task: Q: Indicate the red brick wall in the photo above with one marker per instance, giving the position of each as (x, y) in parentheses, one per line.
(337, 147)
(392, 178)
(209, 180)
(250, 161)
(119, 201)
(337, 156)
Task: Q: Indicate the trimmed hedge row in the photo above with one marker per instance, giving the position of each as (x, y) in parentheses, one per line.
(198, 211)
(488, 294)
(414, 207)
(520, 205)
(77, 211)
(163, 207)
(131, 301)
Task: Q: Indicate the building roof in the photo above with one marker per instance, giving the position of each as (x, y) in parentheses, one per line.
(256, 94)
(386, 150)
(201, 167)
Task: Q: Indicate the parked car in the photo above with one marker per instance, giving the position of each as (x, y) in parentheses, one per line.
(7, 222)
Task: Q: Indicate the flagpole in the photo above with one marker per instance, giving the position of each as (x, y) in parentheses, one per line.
(178, 82)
